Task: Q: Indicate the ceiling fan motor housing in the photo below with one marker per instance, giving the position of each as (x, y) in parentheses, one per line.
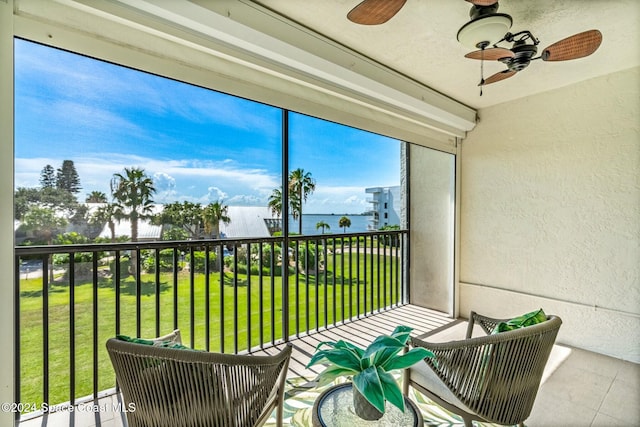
(523, 54)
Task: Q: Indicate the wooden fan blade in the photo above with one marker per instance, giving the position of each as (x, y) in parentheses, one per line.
(491, 54)
(375, 12)
(576, 46)
(498, 77)
(483, 2)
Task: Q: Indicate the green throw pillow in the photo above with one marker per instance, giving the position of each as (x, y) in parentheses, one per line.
(156, 343)
(528, 319)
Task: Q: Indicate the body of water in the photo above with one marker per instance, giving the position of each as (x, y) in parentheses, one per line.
(358, 223)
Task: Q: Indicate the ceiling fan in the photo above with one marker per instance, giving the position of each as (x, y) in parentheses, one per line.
(485, 31)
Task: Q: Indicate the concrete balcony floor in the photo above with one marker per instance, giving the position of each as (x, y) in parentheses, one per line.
(580, 388)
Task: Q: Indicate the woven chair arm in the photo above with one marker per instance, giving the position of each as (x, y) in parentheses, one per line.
(465, 343)
(482, 340)
(195, 356)
(488, 324)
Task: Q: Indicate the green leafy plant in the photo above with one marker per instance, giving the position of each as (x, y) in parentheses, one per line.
(370, 367)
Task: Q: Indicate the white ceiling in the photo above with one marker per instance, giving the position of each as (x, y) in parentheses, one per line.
(420, 41)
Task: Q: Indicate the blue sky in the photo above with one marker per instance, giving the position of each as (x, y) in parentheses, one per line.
(196, 144)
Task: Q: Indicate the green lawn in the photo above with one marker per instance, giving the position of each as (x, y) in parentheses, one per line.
(347, 285)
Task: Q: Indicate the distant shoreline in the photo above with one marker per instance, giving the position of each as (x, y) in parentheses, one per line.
(359, 223)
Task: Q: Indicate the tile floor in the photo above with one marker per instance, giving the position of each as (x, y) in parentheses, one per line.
(580, 388)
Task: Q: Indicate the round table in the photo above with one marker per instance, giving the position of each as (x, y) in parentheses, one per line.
(334, 408)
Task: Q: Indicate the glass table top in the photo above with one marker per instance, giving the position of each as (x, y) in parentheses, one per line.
(335, 409)
(301, 394)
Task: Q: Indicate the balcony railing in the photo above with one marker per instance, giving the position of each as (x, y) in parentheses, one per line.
(226, 295)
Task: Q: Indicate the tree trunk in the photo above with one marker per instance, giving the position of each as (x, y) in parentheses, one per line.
(51, 278)
(50, 262)
(133, 267)
(219, 252)
(300, 215)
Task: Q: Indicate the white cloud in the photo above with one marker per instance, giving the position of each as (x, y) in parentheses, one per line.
(354, 200)
(337, 199)
(228, 172)
(90, 118)
(214, 194)
(165, 188)
(28, 170)
(163, 181)
(246, 200)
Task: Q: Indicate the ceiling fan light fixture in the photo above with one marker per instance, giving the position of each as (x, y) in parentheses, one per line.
(484, 30)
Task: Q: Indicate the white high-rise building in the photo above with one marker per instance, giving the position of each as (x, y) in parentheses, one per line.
(385, 206)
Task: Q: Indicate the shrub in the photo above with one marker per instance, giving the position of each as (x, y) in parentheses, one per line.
(149, 260)
(307, 256)
(125, 263)
(242, 269)
(70, 238)
(266, 254)
(199, 260)
(175, 233)
(83, 263)
(394, 240)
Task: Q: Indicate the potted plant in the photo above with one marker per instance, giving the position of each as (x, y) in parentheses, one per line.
(372, 382)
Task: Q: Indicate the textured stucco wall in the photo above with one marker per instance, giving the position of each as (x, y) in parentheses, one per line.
(550, 211)
(431, 216)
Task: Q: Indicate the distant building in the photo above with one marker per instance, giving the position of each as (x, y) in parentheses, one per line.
(385, 206)
(147, 232)
(250, 221)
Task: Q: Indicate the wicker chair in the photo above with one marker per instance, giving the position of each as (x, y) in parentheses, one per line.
(176, 387)
(493, 378)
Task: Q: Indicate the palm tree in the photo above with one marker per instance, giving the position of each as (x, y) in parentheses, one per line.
(132, 192)
(96, 197)
(212, 215)
(275, 202)
(322, 225)
(300, 186)
(109, 213)
(344, 222)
